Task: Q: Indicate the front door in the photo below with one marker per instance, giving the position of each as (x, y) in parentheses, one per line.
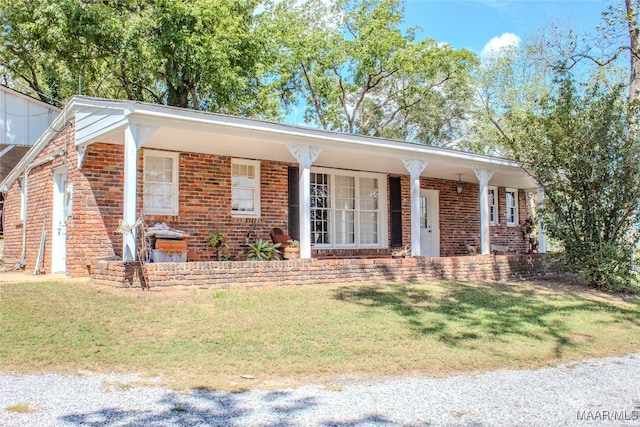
(429, 223)
(61, 204)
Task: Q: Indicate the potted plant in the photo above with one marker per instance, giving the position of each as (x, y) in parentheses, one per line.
(528, 227)
(218, 242)
(263, 250)
(292, 250)
(293, 246)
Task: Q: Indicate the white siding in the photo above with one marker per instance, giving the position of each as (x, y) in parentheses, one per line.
(22, 119)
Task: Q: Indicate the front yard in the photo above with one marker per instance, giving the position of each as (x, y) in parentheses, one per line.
(280, 336)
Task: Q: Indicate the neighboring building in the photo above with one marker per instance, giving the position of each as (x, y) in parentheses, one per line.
(22, 120)
(341, 195)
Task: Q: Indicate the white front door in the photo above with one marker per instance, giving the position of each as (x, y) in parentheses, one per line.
(429, 223)
(61, 205)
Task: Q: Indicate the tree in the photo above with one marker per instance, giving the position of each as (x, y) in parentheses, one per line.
(577, 146)
(567, 110)
(357, 72)
(201, 54)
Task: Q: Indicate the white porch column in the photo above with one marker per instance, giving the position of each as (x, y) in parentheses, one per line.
(415, 168)
(130, 190)
(542, 236)
(305, 155)
(484, 176)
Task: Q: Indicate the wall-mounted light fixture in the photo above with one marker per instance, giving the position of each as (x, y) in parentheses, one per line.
(459, 185)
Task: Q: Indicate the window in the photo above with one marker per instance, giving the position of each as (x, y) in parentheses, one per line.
(493, 205)
(347, 209)
(512, 207)
(160, 182)
(245, 188)
(320, 209)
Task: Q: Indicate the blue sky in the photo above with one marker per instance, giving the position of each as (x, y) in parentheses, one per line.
(472, 24)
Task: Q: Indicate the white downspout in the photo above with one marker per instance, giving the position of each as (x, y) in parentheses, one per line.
(25, 189)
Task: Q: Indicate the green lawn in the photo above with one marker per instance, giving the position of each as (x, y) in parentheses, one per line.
(287, 335)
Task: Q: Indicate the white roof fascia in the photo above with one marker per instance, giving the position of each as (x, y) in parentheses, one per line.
(319, 137)
(88, 109)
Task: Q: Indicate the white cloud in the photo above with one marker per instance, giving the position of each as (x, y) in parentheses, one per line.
(496, 44)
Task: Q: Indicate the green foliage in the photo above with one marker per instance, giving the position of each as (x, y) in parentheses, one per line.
(357, 71)
(218, 242)
(263, 250)
(580, 146)
(201, 54)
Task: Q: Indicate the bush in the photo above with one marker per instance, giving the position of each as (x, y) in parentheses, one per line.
(263, 250)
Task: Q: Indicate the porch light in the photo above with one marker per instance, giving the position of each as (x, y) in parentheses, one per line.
(459, 185)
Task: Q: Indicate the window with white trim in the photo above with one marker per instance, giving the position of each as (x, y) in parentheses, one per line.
(245, 188)
(493, 204)
(160, 187)
(511, 206)
(348, 209)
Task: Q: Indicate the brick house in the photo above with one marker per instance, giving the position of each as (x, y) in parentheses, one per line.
(343, 196)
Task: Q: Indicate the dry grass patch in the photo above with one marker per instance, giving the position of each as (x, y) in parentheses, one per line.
(21, 408)
(272, 337)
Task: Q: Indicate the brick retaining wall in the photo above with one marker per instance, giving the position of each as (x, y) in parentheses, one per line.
(319, 271)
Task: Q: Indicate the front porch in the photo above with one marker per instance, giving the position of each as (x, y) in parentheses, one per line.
(224, 274)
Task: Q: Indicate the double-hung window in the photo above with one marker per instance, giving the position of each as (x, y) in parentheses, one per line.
(160, 182)
(511, 206)
(348, 209)
(493, 205)
(245, 188)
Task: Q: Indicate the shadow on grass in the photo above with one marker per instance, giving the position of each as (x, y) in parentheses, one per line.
(458, 313)
(217, 408)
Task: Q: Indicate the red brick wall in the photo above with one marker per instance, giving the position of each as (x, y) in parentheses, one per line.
(40, 204)
(97, 206)
(97, 189)
(204, 206)
(318, 272)
(512, 237)
(460, 217)
(11, 225)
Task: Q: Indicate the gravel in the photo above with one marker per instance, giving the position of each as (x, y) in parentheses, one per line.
(598, 392)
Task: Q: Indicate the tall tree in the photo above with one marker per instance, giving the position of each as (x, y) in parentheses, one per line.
(567, 110)
(578, 146)
(356, 71)
(201, 54)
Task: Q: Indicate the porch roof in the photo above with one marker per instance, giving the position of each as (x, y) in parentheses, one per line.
(178, 129)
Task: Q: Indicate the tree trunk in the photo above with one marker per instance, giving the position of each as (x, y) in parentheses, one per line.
(634, 47)
(177, 96)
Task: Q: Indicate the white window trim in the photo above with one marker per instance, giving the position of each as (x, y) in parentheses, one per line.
(256, 193)
(383, 234)
(516, 213)
(496, 211)
(175, 184)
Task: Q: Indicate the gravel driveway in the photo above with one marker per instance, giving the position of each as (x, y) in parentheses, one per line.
(597, 392)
